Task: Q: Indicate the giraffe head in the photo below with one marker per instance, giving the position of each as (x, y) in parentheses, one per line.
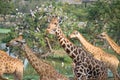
(102, 35)
(16, 42)
(74, 34)
(53, 25)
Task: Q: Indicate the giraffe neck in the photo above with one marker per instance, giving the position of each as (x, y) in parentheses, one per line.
(91, 48)
(66, 44)
(36, 63)
(115, 47)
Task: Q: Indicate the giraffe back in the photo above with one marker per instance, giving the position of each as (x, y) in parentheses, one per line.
(10, 65)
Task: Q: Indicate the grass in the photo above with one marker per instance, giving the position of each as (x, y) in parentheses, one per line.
(4, 30)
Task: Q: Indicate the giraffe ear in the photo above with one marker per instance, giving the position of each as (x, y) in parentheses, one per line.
(23, 41)
(49, 18)
(60, 20)
(77, 32)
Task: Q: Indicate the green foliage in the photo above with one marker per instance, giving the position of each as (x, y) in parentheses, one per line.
(30, 70)
(6, 7)
(8, 37)
(97, 14)
(31, 77)
(104, 16)
(76, 11)
(33, 25)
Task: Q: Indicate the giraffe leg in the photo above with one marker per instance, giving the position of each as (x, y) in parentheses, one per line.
(115, 74)
(18, 75)
(104, 77)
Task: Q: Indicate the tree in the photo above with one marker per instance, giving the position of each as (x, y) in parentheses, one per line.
(34, 23)
(104, 15)
(6, 7)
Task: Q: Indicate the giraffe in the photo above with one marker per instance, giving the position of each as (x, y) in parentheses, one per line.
(111, 61)
(114, 46)
(86, 67)
(45, 70)
(10, 65)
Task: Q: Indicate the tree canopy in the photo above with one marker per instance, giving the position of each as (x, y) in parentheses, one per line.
(6, 7)
(98, 15)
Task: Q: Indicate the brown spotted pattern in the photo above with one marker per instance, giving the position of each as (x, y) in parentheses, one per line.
(10, 65)
(110, 60)
(45, 70)
(86, 67)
